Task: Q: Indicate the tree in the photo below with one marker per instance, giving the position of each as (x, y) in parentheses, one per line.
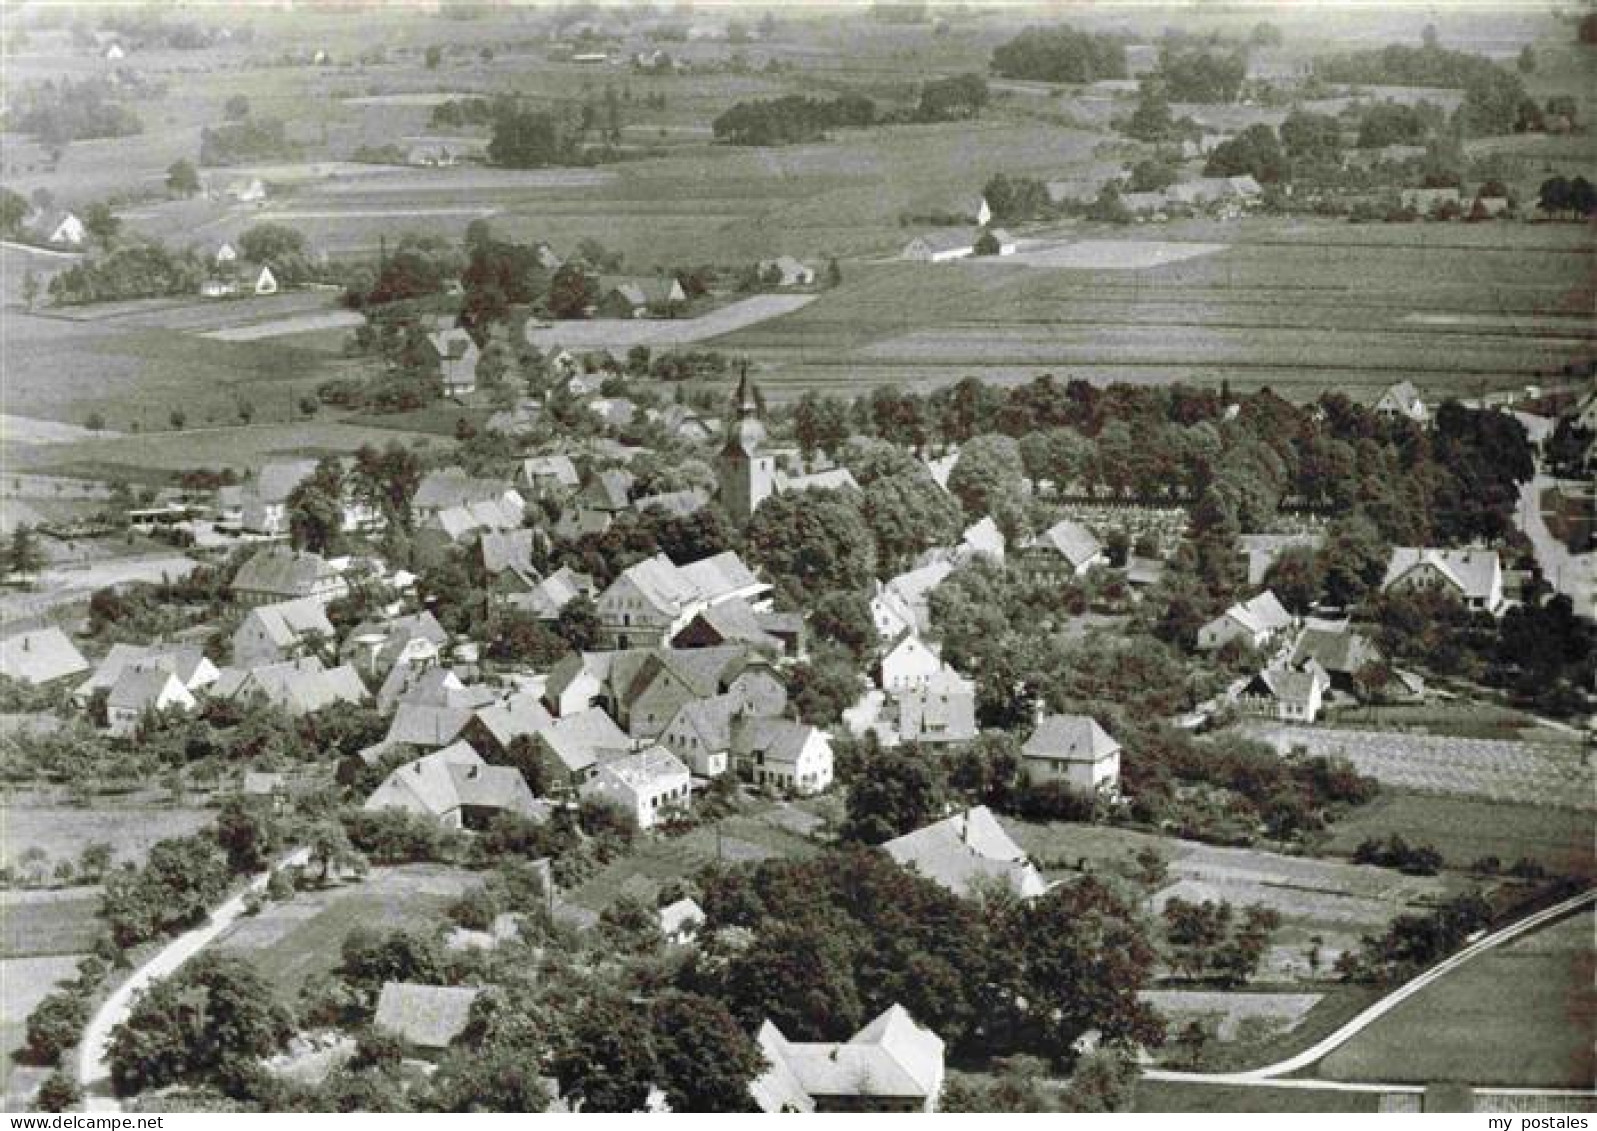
(844, 616)
(236, 108)
(101, 223)
(525, 139)
(59, 1092)
(55, 1025)
(834, 273)
(331, 850)
(986, 244)
(908, 514)
(989, 470)
(182, 179)
(1527, 60)
(435, 55)
(578, 624)
(706, 1062)
(24, 557)
(1255, 152)
(1080, 961)
(812, 542)
(1103, 1081)
(206, 1023)
(572, 292)
(798, 975)
(1152, 175)
(825, 685)
(316, 508)
(14, 209)
(277, 244)
(1151, 121)
(501, 1075)
(607, 1061)
(246, 828)
(897, 792)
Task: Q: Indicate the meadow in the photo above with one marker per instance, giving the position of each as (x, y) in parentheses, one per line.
(1522, 1015)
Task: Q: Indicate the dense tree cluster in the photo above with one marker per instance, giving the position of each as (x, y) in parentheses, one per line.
(1398, 123)
(952, 99)
(1494, 96)
(1060, 54)
(836, 939)
(141, 269)
(1202, 75)
(242, 142)
(59, 112)
(794, 118)
(1255, 152)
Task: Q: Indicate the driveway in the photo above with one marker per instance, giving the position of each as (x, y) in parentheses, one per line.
(94, 1071)
(1572, 574)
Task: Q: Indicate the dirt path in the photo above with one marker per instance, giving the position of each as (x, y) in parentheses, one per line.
(94, 1071)
(1574, 575)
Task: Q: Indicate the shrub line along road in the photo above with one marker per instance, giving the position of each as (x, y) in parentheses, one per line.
(1270, 1076)
(94, 1069)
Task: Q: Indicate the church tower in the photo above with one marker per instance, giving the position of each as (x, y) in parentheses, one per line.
(747, 477)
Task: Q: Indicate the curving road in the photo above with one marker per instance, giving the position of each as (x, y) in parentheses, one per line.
(1270, 1074)
(94, 1071)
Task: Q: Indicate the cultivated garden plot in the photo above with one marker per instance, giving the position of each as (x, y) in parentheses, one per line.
(1541, 773)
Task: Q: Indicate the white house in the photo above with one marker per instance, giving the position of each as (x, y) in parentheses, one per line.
(65, 229)
(1474, 576)
(891, 1065)
(783, 756)
(1291, 696)
(651, 784)
(1072, 748)
(1403, 399)
(141, 691)
(910, 663)
(1254, 622)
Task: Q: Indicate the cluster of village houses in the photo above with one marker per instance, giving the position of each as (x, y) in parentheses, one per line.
(687, 686)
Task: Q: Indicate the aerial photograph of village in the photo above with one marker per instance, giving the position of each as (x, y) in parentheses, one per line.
(854, 556)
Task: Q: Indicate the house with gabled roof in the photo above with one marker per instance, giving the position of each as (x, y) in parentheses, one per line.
(283, 630)
(188, 662)
(908, 595)
(427, 1019)
(375, 646)
(62, 229)
(40, 656)
(941, 711)
(622, 296)
(457, 356)
(781, 755)
(1402, 400)
(1475, 577)
(1341, 654)
(966, 852)
(1073, 749)
(542, 474)
(1254, 622)
(701, 734)
(891, 1065)
(452, 487)
(680, 921)
(456, 788)
(296, 687)
(1064, 551)
(545, 599)
(278, 573)
(141, 692)
(736, 622)
(941, 245)
(1285, 694)
(414, 683)
(912, 662)
(652, 785)
(654, 599)
(573, 747)
(496, 726)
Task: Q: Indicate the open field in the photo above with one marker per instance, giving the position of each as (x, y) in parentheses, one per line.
(1524, 1015)
(662, 333)
(1536, 773)
(43, 923)
(291, 942)
(1164, 1096)
(1301, 306)
(64, 832)
(1264, 1012)
(1465, 829)
(1329, 900)
(756, 835)
(153, 454)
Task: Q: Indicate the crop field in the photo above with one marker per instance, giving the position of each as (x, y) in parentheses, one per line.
(151, 455)
(621, 333)
(1168, 1096)
(1465, 829)
(1377, 304)
(1524, 1015)
(43, 923)
(1556, 775)
(1329, 900)
(294, 941)
(64, 832)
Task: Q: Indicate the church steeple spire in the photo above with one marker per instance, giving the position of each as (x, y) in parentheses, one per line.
(748, 405)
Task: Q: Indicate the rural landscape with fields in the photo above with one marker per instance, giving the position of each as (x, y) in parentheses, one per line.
(859, 556)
